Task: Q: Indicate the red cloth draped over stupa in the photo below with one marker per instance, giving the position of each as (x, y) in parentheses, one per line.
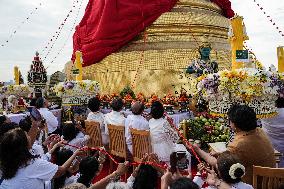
(110, 24)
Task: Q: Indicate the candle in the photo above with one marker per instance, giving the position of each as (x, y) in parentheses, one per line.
(16, 75)
(78, 65)
(280, 54)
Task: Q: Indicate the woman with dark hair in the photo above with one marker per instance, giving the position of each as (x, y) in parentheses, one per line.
(230, 172)
(163, 137)
(72, 135)
(88, 169)
(97, 116)
(145, 177)
(23, 170)
(61, 156)
(251, 145)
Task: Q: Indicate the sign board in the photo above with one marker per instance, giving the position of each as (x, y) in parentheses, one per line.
(76, 100)
(242, 56)
(75, 72)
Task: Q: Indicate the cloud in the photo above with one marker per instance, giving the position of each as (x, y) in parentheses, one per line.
(35, 33)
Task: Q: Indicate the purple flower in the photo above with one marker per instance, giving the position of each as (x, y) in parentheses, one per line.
(68, 85)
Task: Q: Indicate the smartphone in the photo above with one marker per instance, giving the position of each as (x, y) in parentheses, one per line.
(35, 114)
(178, 160)
(182, 161)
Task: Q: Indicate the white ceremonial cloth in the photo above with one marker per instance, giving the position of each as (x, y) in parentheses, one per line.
(99, 117)
(51, 120)
(163, 138)
(136, 122)
(114, 118)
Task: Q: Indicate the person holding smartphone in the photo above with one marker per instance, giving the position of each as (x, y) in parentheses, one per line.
(51, 120)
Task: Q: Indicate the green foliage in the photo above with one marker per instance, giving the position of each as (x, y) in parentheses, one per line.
(127, 90)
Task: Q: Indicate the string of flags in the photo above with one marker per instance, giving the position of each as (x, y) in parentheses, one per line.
(70, 32)
(15, 31)
(51, 42)
(269, 18)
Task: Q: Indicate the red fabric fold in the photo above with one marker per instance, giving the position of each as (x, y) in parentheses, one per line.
(226, 6)
(110, 24)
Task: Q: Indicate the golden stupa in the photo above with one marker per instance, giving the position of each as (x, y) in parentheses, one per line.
(172, 42)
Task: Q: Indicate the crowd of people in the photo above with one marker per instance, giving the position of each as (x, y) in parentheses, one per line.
(44, 155)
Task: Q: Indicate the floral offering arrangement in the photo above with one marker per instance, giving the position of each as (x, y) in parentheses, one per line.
(169, 100)
(152, 99)
(141, 97)
(17, 90)
(205, 128)
(105, 98)
(75, 88)
(127, 91)
(257, 88)
(183, 98)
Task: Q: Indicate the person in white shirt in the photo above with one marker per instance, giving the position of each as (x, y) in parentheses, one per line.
(73, 136)
(163, 136)
(22, 170)
(115, 117)
(51, 120)
(97, 116)
(135, 121)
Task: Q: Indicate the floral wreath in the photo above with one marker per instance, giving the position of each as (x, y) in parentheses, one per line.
(233, 169)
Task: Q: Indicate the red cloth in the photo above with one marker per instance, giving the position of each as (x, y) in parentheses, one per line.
(226, 6)
(110, 24)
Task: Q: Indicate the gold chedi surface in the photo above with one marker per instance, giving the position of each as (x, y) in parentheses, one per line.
(172, 42)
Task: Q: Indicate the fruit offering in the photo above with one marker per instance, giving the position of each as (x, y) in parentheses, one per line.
(206, 128)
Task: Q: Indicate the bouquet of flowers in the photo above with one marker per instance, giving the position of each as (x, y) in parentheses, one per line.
(257, 88)
(141, 97)
(152, 99)
(17, 90)
(74, 88)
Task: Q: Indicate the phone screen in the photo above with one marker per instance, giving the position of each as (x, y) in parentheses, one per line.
(182, 161)
(178, 160)
(36, 114)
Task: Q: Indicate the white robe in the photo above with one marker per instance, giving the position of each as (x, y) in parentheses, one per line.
(163, 138)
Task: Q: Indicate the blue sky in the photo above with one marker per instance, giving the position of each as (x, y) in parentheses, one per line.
(35, 33)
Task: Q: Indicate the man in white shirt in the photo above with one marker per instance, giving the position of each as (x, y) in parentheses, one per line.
(51, 120)
(115, 117)
(135, 121)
